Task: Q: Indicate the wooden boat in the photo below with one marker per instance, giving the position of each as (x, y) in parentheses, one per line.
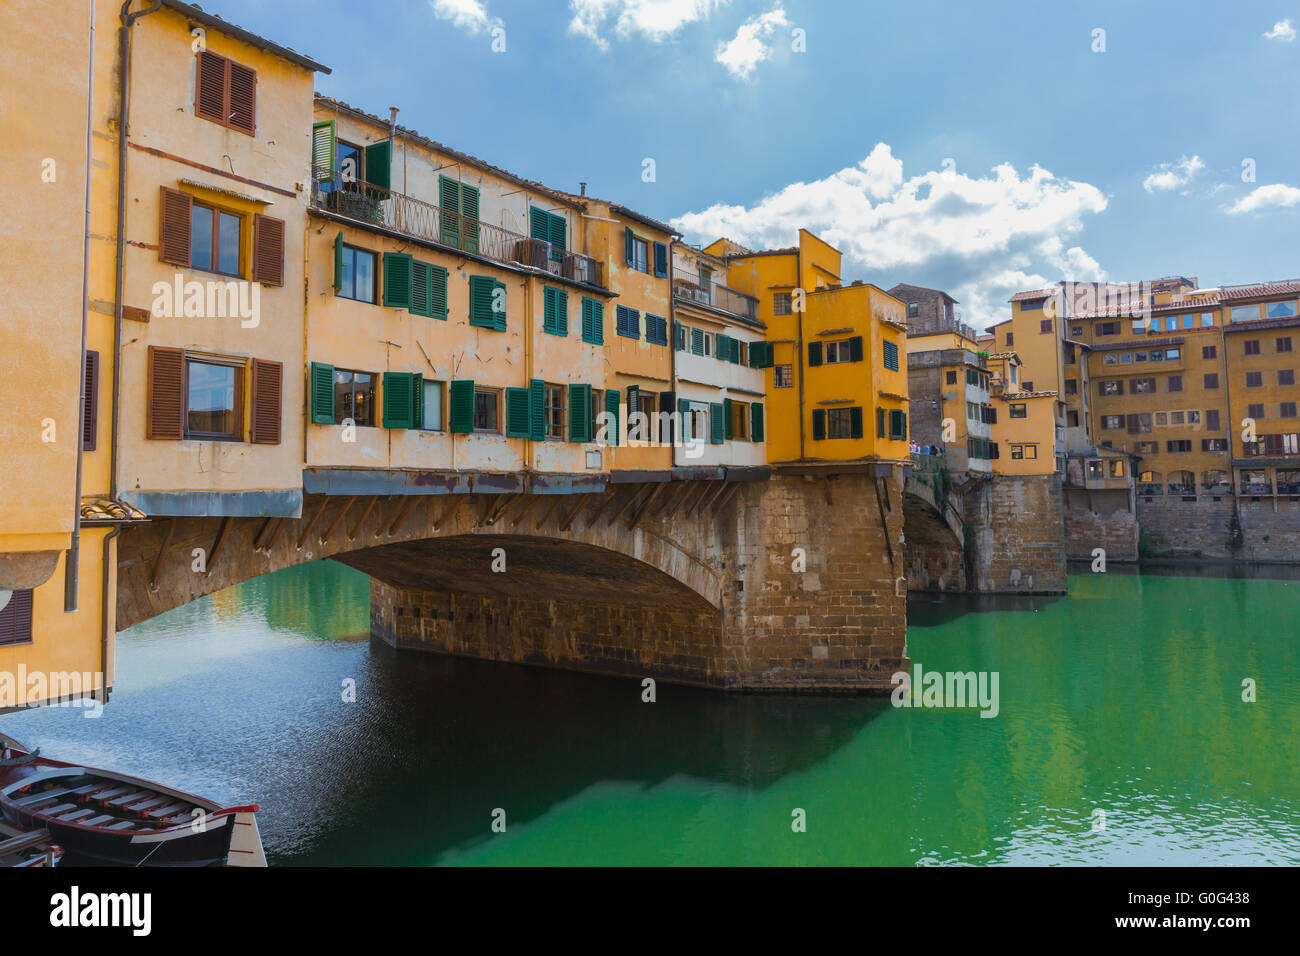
(20, 848)
(100, 816)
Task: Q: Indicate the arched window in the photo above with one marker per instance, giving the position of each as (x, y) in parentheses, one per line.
(1214, 482)
(1182, 483)
(1150, 483)
(1288, 481)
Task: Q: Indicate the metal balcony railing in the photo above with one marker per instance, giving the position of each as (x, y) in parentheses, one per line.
(413, 217)
(720, 297)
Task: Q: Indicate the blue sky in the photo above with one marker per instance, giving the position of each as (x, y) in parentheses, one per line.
(978, 147)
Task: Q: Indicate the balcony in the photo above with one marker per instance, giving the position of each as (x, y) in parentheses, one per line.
(719, 297)
(371, 205)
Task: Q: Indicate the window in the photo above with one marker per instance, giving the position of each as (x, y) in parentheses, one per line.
(1175, 383)
(628, 322)
(487, 410)
(1287, 410)
(357, 276)
(1144, 386)
(354, 397)
(1244, 313)
(431, 418)
(1017, 410)
(543, 226)
(1193, 417)
(555, 311)
(950, 378)
(1211, 380)
(1117, 468)
(781, 303)
(215, 240)
(1069, 353)
(1108, 328)
(1209, 351)
(593, 321)
(1111, 387)
(1076, 331)
(1011, 339)
(1027, 386)
(1255, 410)
(1071, 386)
(972, 412)
(1251, 347)
(1254, 379)
(1286, 376)
(1141, 424)
(554, 409)
(891, 355)
(1176, 418)
(1207, 319)
(16, 618)
(1212, 419)
(1162, 418)
(837, 352)
(1214, 444)
(1148, 447)
(1111, 422)
(913, 310)
(1045, 326)
(1280, 310)
(214, 394)
(839, 422)
(225, 92)
(656, 329)
(739, 424)
(1024, 452)
(783, 376)
(1072, 419)
(640, 255)
(1282, 344)
(1178, 447)
(1110, 358)
(487, 303)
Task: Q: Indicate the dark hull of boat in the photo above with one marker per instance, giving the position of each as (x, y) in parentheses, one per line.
(85, 846)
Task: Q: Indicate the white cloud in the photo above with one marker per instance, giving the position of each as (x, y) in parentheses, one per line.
(1265, 197)
(981, 238)
(1170, 176)
(469, 15)
(654, 19)
(741, 54)
(1282, 30)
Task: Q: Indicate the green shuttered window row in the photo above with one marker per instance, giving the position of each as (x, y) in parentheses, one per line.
(548, 227)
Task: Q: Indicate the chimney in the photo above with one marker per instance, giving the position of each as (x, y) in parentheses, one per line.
(582, 189)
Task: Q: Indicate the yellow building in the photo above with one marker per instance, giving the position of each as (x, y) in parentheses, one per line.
(837, 388)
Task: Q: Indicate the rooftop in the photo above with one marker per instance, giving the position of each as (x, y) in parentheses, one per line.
(199, 15)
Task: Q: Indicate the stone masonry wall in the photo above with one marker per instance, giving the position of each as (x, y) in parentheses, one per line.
(1204, 528)
(1100, 520)
(1019, 531)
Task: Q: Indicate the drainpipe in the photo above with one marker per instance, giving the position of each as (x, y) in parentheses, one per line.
(799, 353)
(72, 562)
(123, 110)
(674, 432)
(103, 612)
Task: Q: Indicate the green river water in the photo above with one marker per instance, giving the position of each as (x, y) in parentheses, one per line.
(1121, 737)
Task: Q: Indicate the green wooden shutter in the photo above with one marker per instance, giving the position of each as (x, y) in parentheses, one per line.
(419, 288)
(880, 423)
(855, 422)
(814, 353)
(756, 422)
(611, 406)
(537, 410)
(449, 203)
(897, 424)
(717, 424)
(518, 415)
(398, 407)
(720, 350)
(593, 321)
(661, 259)
(580, 424)
(697, 341)
(627, 244)
(469, 217)
(322, 394)
(539, 224)
(726, 419)
(379, 164)
(397, 280)
(324, 153)
(819, 424)
(480, 301)
(417, 400)
(338, 261)
(437, 292)
(855, 349)
(461, 402)
(557, 233)
(891, 356)
(561, 312)
(498, 318)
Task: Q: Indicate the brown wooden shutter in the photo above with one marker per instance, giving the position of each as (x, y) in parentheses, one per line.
(16, 619)
(268, 250)
(266, 393)
(210, 87)
(166, 399)
(90, 410)
(242, 108)
(174, 226)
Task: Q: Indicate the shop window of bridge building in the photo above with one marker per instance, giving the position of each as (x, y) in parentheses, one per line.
(1182, 483)
(1288, 481)
(1151, 483)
